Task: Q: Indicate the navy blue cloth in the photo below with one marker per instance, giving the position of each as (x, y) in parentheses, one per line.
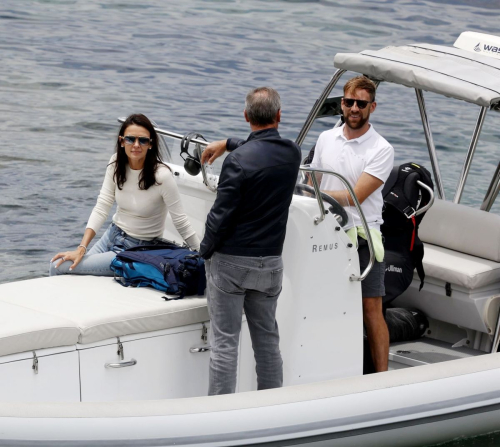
(168, 268)
(255, 189)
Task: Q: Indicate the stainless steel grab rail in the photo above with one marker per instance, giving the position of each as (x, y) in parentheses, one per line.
(321, 218)
(307, 168)
(199, 349)
(431, 200)
(177, 136)
(198, 150)
(124, 364)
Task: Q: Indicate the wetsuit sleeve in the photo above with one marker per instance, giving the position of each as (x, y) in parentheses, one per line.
(221, 217)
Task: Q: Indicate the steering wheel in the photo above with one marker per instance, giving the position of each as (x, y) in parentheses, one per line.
(335, 208)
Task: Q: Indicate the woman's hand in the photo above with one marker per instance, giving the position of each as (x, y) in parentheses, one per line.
(75, 256)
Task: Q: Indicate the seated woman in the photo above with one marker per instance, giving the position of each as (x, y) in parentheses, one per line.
(144, 190)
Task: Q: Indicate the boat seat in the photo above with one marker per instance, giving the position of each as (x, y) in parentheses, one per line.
(458, 268)
(462, 267)
(23, 329)
(100, 308)
(462, 229)
(462, 245)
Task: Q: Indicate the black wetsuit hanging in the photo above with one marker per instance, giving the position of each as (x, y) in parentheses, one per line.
(404, 250)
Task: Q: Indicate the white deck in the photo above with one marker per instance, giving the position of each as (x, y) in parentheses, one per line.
(60, 311)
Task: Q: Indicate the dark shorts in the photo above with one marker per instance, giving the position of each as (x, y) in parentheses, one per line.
(373, 285)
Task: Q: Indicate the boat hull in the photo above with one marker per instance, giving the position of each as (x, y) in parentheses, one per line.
(412, 407)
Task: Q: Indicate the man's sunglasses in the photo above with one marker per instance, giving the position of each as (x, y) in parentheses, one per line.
(143, 141)
(349, 102)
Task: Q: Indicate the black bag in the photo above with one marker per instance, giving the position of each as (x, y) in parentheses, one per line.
(405, 324)
(404, 250)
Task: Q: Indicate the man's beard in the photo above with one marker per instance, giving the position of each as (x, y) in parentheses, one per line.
(357, 125)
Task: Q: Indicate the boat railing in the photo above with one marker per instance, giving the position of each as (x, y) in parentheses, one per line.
(321, 217)
(431, 198)
(492, 191)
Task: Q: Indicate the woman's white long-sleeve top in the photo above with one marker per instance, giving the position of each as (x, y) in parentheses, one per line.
(142, 213)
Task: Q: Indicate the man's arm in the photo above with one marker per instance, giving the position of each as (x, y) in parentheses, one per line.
(375, 175)
(366, 185)
(217, 148)
(221, 216)
(213, 151)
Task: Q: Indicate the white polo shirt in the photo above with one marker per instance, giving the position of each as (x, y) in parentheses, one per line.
(369, 153)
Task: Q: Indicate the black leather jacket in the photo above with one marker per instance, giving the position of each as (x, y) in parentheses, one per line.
(255, 189)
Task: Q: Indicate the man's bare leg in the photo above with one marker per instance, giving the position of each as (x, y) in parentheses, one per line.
(377, 332)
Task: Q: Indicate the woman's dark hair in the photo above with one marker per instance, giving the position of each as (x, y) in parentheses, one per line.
(147, 177)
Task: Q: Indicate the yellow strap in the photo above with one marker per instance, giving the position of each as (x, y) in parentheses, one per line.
(376, 235)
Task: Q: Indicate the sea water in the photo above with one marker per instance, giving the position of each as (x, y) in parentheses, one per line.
(70, 68)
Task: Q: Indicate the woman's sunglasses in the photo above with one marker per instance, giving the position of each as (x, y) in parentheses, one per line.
(143, 141)
(349, 102)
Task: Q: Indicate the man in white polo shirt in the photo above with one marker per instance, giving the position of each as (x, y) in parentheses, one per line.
(356, 151)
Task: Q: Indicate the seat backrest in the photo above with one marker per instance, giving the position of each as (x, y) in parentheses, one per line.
(461, 228)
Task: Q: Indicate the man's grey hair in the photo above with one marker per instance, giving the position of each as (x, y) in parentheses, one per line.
(262, 105)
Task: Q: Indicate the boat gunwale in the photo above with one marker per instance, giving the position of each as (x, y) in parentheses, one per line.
(254, 399)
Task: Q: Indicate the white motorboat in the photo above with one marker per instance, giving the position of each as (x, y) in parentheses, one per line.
(84, 361)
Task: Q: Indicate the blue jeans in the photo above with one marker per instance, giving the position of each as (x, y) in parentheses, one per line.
(252, 284)
(97, 260)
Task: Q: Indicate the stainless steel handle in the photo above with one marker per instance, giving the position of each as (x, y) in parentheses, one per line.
(177, 136)
(199, 349)
(320, 218)
(431, 201)
(199, 151)
(123, 364)
(311, 169)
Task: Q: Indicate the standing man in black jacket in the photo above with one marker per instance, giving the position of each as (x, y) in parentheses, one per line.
(243, 242)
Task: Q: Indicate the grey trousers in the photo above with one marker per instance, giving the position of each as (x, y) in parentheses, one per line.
(252, 284)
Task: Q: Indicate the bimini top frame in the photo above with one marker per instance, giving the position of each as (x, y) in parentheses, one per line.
(453, 72)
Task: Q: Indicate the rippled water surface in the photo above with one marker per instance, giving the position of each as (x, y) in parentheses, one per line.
(70, 68)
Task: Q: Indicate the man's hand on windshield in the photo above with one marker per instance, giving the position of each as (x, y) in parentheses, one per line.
(213, 151)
